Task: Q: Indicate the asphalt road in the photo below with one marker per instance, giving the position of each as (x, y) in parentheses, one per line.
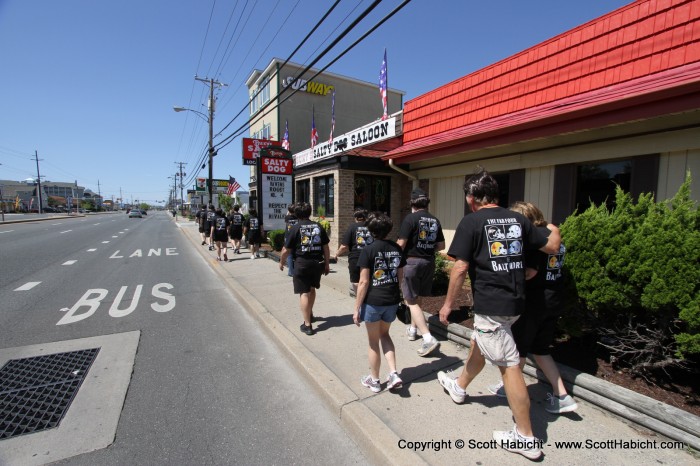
(208, 386)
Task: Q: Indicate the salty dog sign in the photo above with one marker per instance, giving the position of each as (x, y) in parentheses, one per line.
(252, 148)
(276, 175)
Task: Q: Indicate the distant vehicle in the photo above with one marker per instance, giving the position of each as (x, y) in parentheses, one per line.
(49, 209)
(144, 212)
(135, 213)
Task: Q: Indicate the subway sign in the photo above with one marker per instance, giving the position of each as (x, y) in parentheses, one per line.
(364, 136)
(312, 87)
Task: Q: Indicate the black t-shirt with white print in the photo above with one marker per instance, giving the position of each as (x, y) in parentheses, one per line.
(422, 231)
(289, 221)
(544, 292)
(383, 258)
(306, 240)
(357, 237)
(236, 221)
(492, 241)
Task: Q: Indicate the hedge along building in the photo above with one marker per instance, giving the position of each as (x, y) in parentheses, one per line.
(614, 100)
(326, 181)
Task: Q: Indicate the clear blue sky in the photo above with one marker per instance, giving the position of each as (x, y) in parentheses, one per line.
(90, 84)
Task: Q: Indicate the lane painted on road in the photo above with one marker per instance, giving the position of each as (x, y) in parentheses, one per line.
(71, 262)
(65, 231)
(27, 286)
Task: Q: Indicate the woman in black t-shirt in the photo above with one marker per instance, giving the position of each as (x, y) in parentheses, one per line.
(253, 228)
(378, 296)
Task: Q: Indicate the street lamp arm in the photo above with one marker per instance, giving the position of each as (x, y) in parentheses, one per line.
(200, 114)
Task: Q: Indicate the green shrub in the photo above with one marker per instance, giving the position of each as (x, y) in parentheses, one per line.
(276, 239)
(441, 279)
(635, 269)
(324, 223)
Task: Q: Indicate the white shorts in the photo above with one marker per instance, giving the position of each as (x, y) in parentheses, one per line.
(495, 339)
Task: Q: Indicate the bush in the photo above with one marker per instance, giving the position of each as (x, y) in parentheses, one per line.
(441, 279)
(324, 223)
(636, 271)
(276, 239)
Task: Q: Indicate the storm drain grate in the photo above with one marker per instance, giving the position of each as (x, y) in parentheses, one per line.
(35, 393)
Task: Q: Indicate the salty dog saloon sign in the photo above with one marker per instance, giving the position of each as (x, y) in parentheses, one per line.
(276, 175)
(364, 136)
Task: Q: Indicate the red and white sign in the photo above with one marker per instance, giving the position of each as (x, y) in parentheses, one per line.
(277, 166)
(251, 149)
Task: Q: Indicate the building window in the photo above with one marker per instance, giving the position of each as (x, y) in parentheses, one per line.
(323, 195)
(260, 95)
(264, 133)
(303, 191)
(372, 193)
(595, 183)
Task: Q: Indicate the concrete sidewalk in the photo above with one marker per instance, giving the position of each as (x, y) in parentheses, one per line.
(418, 424)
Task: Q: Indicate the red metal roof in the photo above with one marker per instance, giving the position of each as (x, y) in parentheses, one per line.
(618, 60)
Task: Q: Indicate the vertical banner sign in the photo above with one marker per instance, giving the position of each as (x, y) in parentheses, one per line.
(276, 181)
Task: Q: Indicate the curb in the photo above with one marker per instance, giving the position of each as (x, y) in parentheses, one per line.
(369, 432)
(659, 417)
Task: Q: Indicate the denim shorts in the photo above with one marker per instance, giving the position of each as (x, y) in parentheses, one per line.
(370, 313)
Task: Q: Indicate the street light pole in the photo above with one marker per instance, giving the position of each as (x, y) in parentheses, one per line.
(210, 121)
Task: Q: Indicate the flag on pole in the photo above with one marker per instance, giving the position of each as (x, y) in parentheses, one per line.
(330, 140)
(233, 186)
(382, 86)
(285, 139)
(314, 133)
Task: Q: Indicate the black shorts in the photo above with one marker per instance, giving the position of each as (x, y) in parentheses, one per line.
(236, 233)
(201, 229)
(220, 236)
(535, 331)
(254, 238)
(307, 275)
(354, 269)
(417, 278)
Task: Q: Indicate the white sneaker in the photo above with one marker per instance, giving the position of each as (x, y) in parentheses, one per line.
(252, 256)
(393, 381)
(370, 383)
(511, 440)
(560, 405)
(498, 389)
(450, 385)
(412, 333)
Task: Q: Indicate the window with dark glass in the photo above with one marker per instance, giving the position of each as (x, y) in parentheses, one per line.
(303, 191)
(323, 195)
(372, 193)
(595, 183)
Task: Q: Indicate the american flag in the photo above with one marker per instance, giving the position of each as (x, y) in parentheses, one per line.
(233, 186)
(330, 140)
(382, 86)
(285, 139)
(314, 133)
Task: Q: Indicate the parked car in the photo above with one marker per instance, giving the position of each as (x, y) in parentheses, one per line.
(135, 213)
(144, 212)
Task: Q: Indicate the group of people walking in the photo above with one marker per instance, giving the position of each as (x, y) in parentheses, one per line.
(514, 262)
(217, 230)
(513, 258)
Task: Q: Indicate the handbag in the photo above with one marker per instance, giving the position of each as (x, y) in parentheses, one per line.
(403, 313)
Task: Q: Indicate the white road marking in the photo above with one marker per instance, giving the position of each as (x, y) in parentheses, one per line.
(115, 237)
(27, 286)
(65, 231)
(121, 232)
(92, 250)
(60, 223)
(71, 262)
(8, 231)
(105, 242)
(96, 223)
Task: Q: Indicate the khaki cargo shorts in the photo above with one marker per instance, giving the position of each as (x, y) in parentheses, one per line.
(495, 339)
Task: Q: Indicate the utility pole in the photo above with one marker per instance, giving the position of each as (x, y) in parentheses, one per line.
(182, 174)
(212, 152)
(38, 179)
(99, 196)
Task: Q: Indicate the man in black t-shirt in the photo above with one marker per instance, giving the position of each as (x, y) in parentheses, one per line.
(253, 229)
(421, 237)
(208, 223)
(489, 244)
(199, 218)
(236, 228)
(308, 243)
(356, 237)
(289, 221)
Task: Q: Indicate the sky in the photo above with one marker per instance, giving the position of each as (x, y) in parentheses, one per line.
(90, 85)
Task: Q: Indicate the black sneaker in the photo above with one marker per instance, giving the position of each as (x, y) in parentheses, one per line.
(307, 329)
(203, 243)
